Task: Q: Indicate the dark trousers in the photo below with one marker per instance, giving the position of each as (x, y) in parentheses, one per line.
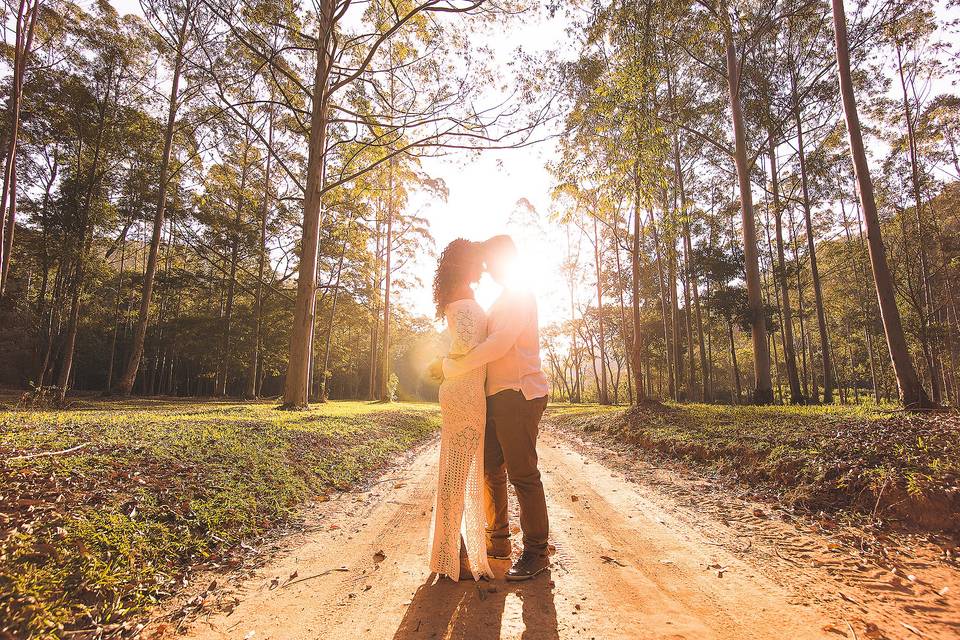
(510, 451)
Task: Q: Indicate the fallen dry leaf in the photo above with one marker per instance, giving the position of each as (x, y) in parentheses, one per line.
(613, 560)
(911, 628)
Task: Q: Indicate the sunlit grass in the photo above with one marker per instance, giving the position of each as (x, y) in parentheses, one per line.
(808, 456)
(103, 532)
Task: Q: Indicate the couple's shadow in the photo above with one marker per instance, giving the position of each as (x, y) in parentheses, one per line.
(470, 610)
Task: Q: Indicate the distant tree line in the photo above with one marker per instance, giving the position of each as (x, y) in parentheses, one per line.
(214, 198)
(762, 199)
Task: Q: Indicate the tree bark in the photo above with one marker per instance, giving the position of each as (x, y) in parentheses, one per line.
(763, 394)
(912, 394)
(125, 385)
(928, 303)
(296, 385)
(384, 393)
(251, 382)
(603, 394)
(812, 249)
(789, 351)
(25, 22)
(664, 313)
(635, 292)
(322, 396)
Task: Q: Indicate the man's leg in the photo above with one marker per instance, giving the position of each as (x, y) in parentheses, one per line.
(495, 491)
(517, 422)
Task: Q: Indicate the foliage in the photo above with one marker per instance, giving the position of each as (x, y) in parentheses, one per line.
(902, 468)
(98, 534)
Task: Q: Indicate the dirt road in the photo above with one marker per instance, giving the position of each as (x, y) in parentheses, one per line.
(631, 561)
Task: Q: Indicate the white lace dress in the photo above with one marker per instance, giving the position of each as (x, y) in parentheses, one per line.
(463, 406)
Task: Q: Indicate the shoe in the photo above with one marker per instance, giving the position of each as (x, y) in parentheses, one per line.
(499, 549)
(529, 564)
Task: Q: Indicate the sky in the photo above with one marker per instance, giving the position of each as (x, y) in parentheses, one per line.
(485, 190)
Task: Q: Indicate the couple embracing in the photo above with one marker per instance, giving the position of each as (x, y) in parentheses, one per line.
(492, 395)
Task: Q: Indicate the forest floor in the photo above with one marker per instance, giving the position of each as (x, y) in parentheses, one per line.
(645, 547)
(107, 506)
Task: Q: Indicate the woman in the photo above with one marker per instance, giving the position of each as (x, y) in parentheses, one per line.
(463, 408)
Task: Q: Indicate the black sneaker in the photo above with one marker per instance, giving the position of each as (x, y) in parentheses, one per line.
(529, 564)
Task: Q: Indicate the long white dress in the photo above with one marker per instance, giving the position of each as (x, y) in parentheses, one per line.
(463, 407)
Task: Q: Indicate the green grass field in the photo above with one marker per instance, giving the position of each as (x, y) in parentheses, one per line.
(894, 465)
(92, 537)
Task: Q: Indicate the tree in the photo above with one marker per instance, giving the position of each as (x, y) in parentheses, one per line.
(912, 393)
(181, 25)
(24, 25)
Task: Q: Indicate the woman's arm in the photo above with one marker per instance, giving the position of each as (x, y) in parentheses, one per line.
(496, 345)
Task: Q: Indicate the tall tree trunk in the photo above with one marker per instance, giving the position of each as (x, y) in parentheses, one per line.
(734, 364)
(637, 352)
(812, 248)
(623, 312)
(296, 385)
(576, 395)
(116, 314)
(373, 369)
(251, 382)
(234, 261)
(678, 371)
(763, 394)
(789, 352)
(322, 396)
(25, 21)
(801, 315)
(603, 395)
(912, 394)
(125, 385)
(664, 311)
(384, 393)
(862, 293)
(928, 302)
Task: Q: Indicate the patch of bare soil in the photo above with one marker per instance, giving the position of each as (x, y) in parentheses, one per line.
(641, 552)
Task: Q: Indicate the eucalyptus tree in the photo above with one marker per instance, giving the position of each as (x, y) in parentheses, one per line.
(180, 26)
(912, 393)
(104, 87)
(350, 55)
(24, 26)
(912, 34)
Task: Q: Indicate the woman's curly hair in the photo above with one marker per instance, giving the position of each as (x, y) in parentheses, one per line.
(461, 262)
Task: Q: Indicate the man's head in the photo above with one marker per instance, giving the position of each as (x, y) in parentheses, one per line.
(500, 256)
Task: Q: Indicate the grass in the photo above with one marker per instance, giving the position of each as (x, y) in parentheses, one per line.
(92, 538)
(893, 465)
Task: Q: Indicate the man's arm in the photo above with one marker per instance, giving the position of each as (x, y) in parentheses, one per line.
(495, 346)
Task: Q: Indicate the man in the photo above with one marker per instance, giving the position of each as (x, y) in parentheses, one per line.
(517, 393)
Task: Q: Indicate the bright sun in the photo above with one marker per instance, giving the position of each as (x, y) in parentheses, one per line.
(537, 268)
